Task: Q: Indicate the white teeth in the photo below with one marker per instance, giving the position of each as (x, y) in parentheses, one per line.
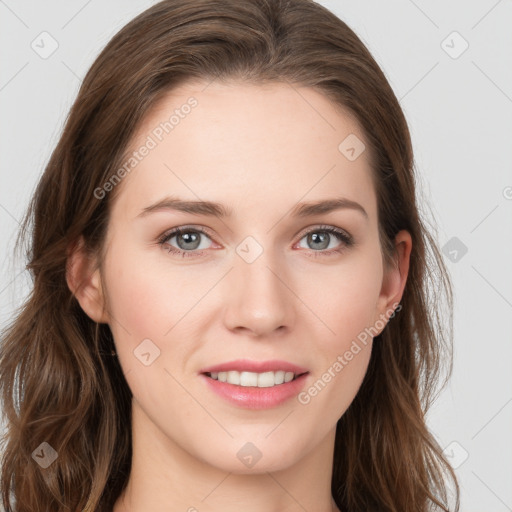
(251, 379)
(279, 377)
(233, 378)
(247, 379)
(266, 380)
(288, 376)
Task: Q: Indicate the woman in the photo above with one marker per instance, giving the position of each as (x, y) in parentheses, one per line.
(231, 302)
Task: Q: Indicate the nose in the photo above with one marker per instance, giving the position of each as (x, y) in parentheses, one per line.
(259, 299)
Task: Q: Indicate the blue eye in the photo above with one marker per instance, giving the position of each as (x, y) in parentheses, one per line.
(189, 238)
(326, 234)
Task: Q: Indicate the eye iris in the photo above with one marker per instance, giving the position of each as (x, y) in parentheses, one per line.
(314, 237)
(189, 237)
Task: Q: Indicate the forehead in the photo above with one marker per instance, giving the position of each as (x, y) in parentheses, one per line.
(247, 146)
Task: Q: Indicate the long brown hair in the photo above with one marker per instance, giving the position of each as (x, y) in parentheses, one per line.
(59, 383)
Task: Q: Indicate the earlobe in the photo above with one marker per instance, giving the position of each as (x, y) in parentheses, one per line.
(395, 277)
(83, 279)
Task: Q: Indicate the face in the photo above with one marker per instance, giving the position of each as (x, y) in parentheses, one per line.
(254, 290)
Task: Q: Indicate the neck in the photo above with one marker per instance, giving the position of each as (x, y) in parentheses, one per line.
(164, 476)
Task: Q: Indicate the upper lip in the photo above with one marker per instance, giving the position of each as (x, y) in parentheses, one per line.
(246, 365)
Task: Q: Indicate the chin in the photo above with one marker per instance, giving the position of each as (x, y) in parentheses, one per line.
(243, 456)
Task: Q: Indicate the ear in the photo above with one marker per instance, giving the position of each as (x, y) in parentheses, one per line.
(395, 278)
(84, 281)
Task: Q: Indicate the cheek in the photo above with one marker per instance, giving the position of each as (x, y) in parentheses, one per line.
(146, 297)
(151, 300)
(140, 304)
(144, 309)
(344, 354)
(332, 392)
(344, 298)
(136, 301)
(345, 302)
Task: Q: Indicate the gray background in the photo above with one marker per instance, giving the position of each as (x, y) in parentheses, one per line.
(459, 108)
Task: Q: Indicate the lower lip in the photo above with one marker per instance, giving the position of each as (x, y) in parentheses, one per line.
(250, 397)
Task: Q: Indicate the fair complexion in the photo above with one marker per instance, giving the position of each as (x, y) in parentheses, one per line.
(259, 151)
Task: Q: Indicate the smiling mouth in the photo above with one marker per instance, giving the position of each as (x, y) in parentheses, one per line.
(253, 379)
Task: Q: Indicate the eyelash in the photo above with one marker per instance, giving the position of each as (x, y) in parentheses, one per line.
(342, 236)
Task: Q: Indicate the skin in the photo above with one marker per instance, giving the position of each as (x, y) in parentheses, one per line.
(259, 150)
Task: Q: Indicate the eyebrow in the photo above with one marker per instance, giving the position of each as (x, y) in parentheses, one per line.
(214, 209)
